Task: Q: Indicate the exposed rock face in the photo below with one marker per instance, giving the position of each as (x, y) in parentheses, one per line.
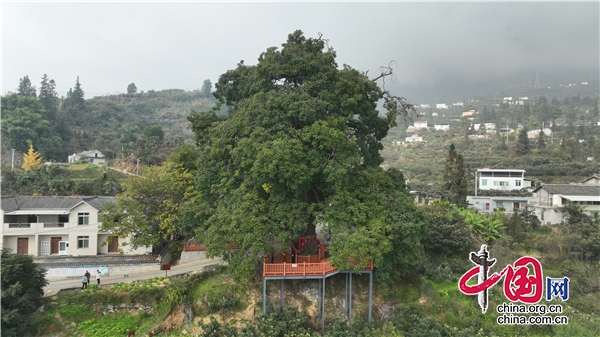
(310, 290)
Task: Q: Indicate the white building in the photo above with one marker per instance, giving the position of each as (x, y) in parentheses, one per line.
(549, 198)
(59, 225)
(424, 106)
(458, 104)
(93, 156)
(485, 204)
(420, 125)
(441, 106)
(501, 179)
(536, 133)
(414, 138)
(442, 127)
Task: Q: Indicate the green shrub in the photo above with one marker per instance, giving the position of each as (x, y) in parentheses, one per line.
(221, 301)
(109, 325)
(76, 312)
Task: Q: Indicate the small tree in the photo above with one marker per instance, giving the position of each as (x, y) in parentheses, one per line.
(206, 88)
(32, 160)
(131, 89)
(22, 289)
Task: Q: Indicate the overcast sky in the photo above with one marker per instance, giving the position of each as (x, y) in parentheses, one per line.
(178, 45)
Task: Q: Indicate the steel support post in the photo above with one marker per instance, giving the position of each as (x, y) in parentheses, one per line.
(350, 302)
(264, 296)
(346, 298)
(370, 293)
(323, 309)
(282, 293)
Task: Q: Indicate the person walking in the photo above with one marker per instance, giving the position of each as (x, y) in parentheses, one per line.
(87, 274)
(98, 276)
(84, 282)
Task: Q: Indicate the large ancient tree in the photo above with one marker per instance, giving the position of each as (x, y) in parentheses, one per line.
(300, 147)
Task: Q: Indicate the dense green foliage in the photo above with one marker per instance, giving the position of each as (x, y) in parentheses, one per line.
(300, 145)
(22, 288)
(150, 206)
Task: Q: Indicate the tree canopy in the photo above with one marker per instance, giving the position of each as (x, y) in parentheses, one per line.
(22, 288)
(299, 147)
(150, 206)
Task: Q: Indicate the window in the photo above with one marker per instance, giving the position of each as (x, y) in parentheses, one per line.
(517, 183)
(516, 206)
(500, 183)
(32, 218)
(483, 182)
(84, 218)
(63, 218)
(499, 204)
(487, 206)
(83, 242)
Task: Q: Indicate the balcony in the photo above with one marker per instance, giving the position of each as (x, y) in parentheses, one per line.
(22, 228)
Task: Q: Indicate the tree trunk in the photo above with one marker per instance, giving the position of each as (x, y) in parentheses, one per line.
(311, 227)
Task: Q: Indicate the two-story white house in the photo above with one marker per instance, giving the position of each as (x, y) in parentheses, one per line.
(59, 225)
(487, 204)
(442, 127)
(548, 198)
(501, 179)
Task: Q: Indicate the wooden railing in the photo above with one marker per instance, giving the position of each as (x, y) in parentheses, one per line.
(301, 269)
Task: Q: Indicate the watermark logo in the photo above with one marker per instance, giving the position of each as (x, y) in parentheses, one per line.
(523, 282)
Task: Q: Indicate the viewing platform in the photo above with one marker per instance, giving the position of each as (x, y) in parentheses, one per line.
(303, 268)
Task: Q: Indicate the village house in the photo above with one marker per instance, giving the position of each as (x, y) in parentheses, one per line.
(441, 106)
(92, 156)
(487, 204)
(420, 125)
(468, 113)
(501, 179)
(548, 198)
(442, 127)
(414, 138)
(59, 225)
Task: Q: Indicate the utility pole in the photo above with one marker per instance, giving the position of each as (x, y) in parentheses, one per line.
(506, 133)
(12, 163)
(137, 166)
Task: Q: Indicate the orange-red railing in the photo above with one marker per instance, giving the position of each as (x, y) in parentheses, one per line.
(301, 269)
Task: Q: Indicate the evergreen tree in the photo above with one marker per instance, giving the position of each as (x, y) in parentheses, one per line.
(521, 146)
(74, 106)
(206, 88)
(49, 98)
(455, 178)
(541, 142)
(32, 160)
(25, 88)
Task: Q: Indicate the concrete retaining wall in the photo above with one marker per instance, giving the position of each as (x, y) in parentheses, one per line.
(131, 269)
(192, 256)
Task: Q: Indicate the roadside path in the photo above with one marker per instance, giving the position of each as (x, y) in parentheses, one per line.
(55, 285)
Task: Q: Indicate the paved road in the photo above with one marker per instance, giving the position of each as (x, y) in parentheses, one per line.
(55, 285)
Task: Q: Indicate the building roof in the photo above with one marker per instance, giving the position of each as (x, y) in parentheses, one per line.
(14, 203)
(570, 189)
(595, 176)
(499, 170)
